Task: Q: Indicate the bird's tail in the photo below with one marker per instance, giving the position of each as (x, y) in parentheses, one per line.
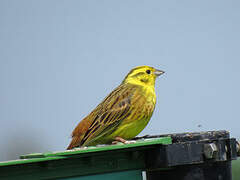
(75, 142)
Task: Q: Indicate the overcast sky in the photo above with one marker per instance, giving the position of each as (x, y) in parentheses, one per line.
(59, 59)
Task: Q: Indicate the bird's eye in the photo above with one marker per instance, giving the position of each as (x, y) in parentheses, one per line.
(148, 71)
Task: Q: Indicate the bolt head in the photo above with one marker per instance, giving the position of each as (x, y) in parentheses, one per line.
(210, 150)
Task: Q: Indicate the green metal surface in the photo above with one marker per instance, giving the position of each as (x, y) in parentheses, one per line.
(126, 175)
(104, 148)
(37, 157)
(236, 169)
(81, 162)
(121, 161)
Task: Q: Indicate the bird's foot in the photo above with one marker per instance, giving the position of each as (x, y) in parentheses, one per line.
(119, 139)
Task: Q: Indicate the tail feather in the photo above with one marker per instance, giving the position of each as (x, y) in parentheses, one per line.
(75, 142)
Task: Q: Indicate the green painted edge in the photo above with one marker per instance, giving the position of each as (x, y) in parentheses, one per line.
(24, 161)
(39, 157)
(139, 143)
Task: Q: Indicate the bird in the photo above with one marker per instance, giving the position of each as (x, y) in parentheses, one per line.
(123, 114)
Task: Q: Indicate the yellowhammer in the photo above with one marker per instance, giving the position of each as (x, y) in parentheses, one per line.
(123, 114)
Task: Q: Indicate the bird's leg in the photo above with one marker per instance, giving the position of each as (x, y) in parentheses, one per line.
(119, 139)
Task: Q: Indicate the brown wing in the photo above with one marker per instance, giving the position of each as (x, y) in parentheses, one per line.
(105, 117)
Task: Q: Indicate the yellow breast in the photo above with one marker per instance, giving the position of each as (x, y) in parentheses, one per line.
(143, 105)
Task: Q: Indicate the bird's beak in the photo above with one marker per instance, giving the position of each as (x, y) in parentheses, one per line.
(158, 72)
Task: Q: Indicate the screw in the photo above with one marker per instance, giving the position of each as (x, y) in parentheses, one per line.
(210, 150)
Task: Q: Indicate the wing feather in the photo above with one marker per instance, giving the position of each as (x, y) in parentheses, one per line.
(105, 117)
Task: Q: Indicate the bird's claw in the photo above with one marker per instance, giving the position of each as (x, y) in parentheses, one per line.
(115, 142)
(121, 140)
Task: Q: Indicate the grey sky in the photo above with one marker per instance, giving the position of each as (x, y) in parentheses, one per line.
(59, 59)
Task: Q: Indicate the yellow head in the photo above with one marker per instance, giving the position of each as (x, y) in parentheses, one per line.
(143, 75)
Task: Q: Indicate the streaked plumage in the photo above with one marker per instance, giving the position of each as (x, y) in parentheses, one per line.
(124, 113)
